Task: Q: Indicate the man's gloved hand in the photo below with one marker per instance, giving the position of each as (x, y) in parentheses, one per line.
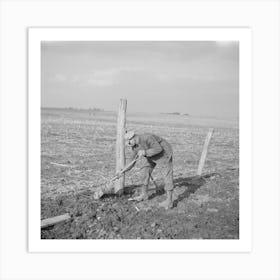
(141, 153)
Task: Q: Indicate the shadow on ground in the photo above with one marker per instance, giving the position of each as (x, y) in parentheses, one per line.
(191, 184)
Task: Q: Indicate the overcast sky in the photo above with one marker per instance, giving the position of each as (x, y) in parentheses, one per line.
(199, 78)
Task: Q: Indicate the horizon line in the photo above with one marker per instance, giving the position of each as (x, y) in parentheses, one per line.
(150, 113)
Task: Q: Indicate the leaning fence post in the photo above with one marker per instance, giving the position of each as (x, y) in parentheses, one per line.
(120, 145)
(204, 152)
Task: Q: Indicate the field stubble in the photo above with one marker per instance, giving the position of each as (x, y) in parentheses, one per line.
(78, 155)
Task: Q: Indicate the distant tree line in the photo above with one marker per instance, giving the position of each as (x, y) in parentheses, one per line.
(175, 113)
(93, 109)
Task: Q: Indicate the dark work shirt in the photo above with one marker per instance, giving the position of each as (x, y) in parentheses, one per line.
(156, 148)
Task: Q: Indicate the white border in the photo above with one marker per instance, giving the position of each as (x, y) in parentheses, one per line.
(243, 35)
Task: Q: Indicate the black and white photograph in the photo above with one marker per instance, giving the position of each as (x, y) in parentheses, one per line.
(140, 139)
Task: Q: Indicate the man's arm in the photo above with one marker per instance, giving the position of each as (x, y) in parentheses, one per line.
(154, 147)
(131, 161)
(127, 167)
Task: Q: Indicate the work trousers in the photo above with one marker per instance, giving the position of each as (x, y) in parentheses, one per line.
(166, 169)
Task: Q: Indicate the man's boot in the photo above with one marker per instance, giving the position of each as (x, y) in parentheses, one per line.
(143, 195)
(168, 203)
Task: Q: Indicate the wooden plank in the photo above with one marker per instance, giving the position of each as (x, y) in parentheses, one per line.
(120, 145)
(55, 220)
(204, 152)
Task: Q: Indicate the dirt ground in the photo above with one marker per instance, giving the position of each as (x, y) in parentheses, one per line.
(77, 157)
(205, 208)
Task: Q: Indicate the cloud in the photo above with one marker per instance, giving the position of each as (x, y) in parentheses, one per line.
(60, 77)
(103, 77)
(226, 43)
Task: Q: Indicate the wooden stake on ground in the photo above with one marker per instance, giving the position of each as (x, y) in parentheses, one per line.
(204, 152)
(120, 145)
(54, 220)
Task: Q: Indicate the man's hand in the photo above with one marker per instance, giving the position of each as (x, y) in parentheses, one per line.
(141, 153)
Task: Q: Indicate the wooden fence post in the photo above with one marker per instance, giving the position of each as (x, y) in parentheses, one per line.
(120, 145)
(204, 152)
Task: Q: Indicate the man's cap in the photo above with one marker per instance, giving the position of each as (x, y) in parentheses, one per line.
(129, 135)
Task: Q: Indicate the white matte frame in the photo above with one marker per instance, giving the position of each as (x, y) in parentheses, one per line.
(262, 262)
(242, 35)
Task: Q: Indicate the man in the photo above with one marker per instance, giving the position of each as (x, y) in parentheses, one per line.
(155, 150)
